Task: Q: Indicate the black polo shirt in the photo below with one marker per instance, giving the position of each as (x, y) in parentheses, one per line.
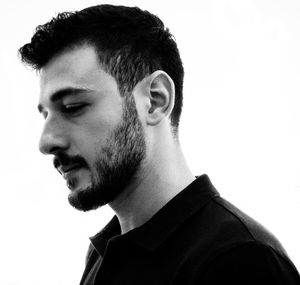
(196, 238)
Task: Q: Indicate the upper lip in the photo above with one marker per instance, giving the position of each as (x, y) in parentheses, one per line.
(66, 168)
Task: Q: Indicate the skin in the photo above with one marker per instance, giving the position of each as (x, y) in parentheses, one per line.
(162, 172)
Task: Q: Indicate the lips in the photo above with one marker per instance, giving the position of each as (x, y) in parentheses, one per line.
(64, 170)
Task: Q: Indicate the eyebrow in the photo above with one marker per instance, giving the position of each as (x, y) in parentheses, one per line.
(60, 94)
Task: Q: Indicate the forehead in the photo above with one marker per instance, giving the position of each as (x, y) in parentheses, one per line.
(74, 68)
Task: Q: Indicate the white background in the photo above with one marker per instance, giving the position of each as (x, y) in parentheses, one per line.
(240, 125)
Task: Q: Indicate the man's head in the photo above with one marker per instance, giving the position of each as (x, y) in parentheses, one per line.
(90, 62)
(130, 45)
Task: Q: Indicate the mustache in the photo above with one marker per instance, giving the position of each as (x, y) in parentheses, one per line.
(63, 159)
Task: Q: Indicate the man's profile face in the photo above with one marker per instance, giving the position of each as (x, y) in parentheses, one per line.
(94, 134)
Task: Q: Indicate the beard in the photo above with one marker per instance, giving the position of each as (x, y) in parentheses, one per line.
(116, 164)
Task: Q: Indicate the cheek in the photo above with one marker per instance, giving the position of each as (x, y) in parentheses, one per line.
(93, 137)
(97, 125)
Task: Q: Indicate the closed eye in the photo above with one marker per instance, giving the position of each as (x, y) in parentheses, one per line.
(73, 108)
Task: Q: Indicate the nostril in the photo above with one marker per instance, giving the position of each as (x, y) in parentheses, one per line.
(55, 150)
(52, 145)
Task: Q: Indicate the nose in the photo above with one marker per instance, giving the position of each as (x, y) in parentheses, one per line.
(53, 138)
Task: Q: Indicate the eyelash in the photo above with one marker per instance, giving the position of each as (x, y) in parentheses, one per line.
(73, 108)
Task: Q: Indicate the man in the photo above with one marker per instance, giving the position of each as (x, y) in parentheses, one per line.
(111, 95)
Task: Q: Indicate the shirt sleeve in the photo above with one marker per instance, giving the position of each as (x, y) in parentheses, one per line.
(250, 264)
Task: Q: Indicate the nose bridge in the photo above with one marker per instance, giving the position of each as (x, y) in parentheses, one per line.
(53, 137)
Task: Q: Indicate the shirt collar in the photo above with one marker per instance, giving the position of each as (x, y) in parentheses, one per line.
(165, 222)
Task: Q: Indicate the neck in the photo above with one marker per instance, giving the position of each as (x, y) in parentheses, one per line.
(159, 179)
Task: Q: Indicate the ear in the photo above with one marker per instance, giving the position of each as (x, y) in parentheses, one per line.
(161, 97)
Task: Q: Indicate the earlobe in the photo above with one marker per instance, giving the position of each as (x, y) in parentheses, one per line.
(162, 97)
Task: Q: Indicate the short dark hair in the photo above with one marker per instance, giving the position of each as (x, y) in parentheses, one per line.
(130, 43)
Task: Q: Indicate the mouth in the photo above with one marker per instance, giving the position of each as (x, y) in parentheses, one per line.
(65, 171)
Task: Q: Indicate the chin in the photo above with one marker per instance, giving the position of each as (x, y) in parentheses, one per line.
(85, 199)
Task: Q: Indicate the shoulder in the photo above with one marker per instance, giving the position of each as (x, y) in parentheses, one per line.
(238, 249)
(228, 226)
(250, 263)
(238, 221)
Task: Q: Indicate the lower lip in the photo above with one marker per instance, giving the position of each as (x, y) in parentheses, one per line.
(67, 175)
